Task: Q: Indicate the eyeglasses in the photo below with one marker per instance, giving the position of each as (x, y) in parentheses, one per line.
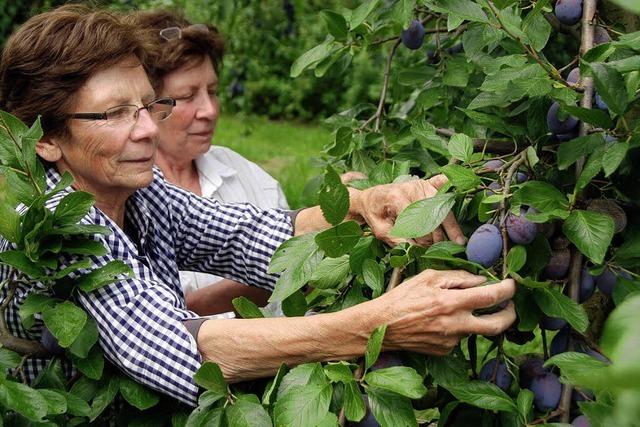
(158, 109)
(172, 33)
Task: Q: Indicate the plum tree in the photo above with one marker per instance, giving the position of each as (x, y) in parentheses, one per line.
(607, 280)
(546, 389)
(600, 36)
(558, 126)
(485, 245)
(493, 164)
(558, 265)
(568, 12)
(552, 323)
(581, 421)
(496, 372)
(413, 37)
(521, 231)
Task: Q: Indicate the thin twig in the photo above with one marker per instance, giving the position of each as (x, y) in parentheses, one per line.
(575, 269)
(506, 187)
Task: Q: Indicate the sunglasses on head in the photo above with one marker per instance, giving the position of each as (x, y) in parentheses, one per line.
(172, 33)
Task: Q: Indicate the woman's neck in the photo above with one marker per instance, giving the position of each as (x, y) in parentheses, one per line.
(182, 173)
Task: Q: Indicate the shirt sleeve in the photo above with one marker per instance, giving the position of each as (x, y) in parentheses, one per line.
(141, 330)
(235, 241)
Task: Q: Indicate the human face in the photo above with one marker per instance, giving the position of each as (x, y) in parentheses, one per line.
(111, 160)
(187, 133)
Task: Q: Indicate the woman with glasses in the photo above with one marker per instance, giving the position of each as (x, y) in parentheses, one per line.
(81, 71)
(185, 65)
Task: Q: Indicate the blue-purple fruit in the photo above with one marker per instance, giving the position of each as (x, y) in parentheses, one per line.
(546, 390)
(521, 231)
(558, 126)
(485, 245)
(581, 421)
(607, 280)
(558, 265)
(600, 36)
(569, 12)
(573, 76)
(493, 164)
(387, 359)
(529, 369)
(496, 372)
(560, 342)
(587, 284)
(413, 37)
(552, 323)
(50, 342)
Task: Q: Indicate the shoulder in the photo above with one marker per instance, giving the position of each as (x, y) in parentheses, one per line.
(243, 166)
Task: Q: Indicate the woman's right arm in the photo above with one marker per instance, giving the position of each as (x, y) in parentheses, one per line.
(428, 313)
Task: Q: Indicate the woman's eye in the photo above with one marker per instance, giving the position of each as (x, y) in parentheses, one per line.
(213, 92)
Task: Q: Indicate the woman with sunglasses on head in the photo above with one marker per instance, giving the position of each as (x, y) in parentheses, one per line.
(81, 71)
(185, 65)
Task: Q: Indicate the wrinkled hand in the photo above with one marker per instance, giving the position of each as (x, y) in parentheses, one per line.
(430, 312)
(380, 206)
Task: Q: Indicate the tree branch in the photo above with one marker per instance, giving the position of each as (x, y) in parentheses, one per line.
(575, 269)
(492, 145)
(506, 187)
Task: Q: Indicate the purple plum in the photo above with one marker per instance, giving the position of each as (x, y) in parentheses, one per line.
(547, 390)
(485, 245)
(496, 372)
(560, 342)
(600, 36)
(600, 103)
(521, 231)
(529, 369)
(581, 421)
(574, 75)
(493, 164)
(607, 280)
(50, 342)
(587, 284)
(558, 265)
(387, 359)
(552, 323)
(557, 126)
(413, 37)
(569, 12)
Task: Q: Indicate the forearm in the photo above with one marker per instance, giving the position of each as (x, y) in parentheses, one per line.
(253, 348)
(311, 219)
(217, 297)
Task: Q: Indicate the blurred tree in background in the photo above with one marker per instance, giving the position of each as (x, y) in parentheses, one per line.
(263, 39)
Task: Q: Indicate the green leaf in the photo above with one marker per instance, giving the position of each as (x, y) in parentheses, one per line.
(209, 397)
(516, 258)
(591, 232)
(537, 30)
(333, 197)
(244, 413)
(104, 396)
(56, 401)
(620, 337)
(398, 379)
(270, 392)
(74, 229)
(546, 198)
(448, 370)
(460, 177)
(360, 14)
(338, 372)
(555, 304)
(594, 116)
(19, 261)
(105, 275)
(33, 304)
(247, 308)
(463, 8)
(80, 265)
(303, 406)
(210, 377)
(298, 257)
(77, 406)
(390, 409)
(403, 12)
(93, 365)
(570, 151)
(9, 222)
(422, 217)
(330, 272)
(525, 404)
(457, 72)
(374, 345)
(610, 86)
(205, 417)
(83, 246)
(305, 374)
(336, 24)
(354, 409)
(65, 322)
(312, 57)
(613, 156)
(623, 289)
(373, 276)
(483, 395)
(340, 239)
(294, 305)
(23, 399)
(73, 207)
(592, 167)
(9, 359)
(86, 339)
(581, 369)
(461, 147)
(138, 395)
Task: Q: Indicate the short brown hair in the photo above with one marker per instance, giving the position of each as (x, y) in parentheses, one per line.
(169, 55)
(51, 56)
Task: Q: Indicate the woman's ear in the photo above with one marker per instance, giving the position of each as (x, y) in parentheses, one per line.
(49, 149)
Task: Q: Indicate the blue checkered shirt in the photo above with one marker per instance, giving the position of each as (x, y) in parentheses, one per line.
(140, 319)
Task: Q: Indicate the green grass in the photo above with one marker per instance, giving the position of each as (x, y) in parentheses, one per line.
(283, 149)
